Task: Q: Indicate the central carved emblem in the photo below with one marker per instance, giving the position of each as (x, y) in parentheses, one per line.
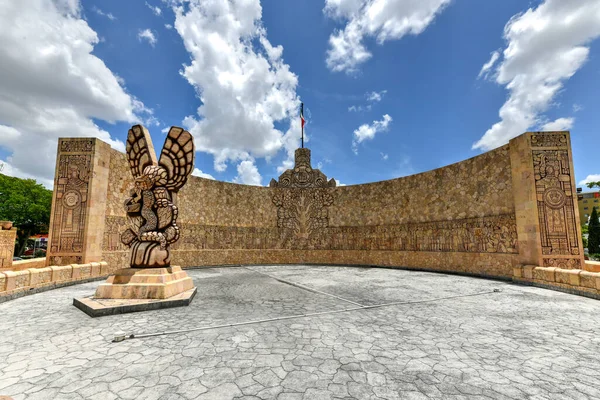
(302, 198)
(151, 212)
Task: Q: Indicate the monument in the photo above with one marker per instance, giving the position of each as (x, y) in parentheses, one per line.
(151, 281)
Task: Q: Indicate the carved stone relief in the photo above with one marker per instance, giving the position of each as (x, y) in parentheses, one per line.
(302, 197)
(495, 234)
(555, 200)
(558, 228)
(70, 207)
(564, 263)
(541, 139)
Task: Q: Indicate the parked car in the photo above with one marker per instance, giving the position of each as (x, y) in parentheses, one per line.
(17, 259)
(38, 252)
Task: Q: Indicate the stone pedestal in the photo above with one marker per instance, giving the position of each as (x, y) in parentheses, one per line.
(139, 289)
(145, 283)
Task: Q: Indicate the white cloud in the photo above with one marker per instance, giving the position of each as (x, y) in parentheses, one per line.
(7, 169)
(198, 172)
(367, 132)
(545, 47)
(371, 97)
(384, 156)
(488, 65)
(590, 178)
(247, 173)
(147, 34)
(155, 9)
(376, 96)
(577, 107)
(381, 19)
(102, 13)
(52, 85)
(243, 83)
(168, 26)
(560, 124)
(338, 183)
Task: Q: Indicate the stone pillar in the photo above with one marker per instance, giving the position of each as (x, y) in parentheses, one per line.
(7, 247)
(548, 226)
(79, 201)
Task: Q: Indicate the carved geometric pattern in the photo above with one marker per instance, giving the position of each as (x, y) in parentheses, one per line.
(564, 263)
(494, 234)
(74, 168)
(544, 139)
(151, 213)
(76, 146)
(555, 202)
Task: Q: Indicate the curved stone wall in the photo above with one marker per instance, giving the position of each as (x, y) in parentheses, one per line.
(482, 216)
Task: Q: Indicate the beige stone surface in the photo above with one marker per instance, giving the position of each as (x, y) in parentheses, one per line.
(38, 262)
(570, 280)
(592, 266)
(16, 280)
(7, 247)
(40, 276)
(2, 282)
(62, 273)
(145, 283)
(21, 280)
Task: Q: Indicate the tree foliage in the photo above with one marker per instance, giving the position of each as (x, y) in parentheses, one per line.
(593, 184)
(594, 233)
(27, 204)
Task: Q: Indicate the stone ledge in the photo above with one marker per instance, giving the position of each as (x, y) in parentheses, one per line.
(592, 266)
(6, 296)
(15, 284)
(575, 281)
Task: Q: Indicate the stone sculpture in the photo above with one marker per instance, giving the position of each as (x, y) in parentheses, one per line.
(150, 282)
(151, 212)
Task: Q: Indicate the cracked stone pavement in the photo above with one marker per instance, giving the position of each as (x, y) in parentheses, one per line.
(520, 343)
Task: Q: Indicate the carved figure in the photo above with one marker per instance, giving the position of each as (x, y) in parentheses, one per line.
(151, 211)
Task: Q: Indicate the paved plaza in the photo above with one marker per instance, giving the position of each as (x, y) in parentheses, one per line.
(435, 336)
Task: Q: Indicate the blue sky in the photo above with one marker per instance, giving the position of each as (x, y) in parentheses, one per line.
(419, 100)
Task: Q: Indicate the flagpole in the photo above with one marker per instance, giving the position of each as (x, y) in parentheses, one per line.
(302, 121)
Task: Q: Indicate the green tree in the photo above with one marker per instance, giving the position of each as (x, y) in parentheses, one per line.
(593, 184)
(594, 233)
(27, 204)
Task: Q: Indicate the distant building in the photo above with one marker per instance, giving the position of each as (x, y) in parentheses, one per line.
(587, 202)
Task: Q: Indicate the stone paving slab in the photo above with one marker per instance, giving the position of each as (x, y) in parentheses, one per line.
(521, 343)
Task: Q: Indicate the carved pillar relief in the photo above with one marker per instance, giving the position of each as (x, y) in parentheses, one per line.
(71, 185)
(78, 202)
(556, 201)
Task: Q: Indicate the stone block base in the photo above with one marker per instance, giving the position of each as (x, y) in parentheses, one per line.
(145, 283)
(95, 307)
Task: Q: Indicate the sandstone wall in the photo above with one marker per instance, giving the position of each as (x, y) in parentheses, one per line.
(483, 216)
